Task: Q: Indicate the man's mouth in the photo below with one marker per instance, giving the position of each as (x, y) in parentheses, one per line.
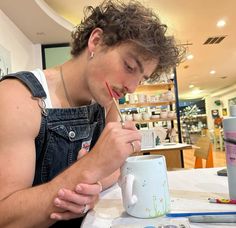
(117, 94)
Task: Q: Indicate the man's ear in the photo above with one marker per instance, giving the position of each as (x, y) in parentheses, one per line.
(94, 39)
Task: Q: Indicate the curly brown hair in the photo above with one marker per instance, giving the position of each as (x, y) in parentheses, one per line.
(131, 22)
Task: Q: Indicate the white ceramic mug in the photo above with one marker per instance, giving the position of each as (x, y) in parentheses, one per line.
(144, 186)
(169, 95)
(129, 117)
(131, 98)
(163, 97)
(146, 116)
(163, 114)
(142, 98)
(153, 98)
(137, 116)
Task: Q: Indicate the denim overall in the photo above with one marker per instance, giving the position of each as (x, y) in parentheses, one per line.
(63, 132)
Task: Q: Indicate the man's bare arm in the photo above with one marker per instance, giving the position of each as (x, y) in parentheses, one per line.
(22, 205)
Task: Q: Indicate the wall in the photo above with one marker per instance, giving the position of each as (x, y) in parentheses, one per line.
(56, 55)
(24, 54)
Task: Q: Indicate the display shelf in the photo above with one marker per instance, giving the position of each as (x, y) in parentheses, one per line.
(155, 120)
(154, 87)
(204, 116)
(163, 98)
(192, 125)
(160, 95)
(149, 104)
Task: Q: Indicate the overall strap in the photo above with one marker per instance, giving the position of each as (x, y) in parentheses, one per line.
(29, 79)
(35, 87)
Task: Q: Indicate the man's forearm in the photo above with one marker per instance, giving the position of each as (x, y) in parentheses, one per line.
(27, 208)
(32, 207)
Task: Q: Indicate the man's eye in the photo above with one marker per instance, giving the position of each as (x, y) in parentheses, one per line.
(145, 78)
(142, 80)
(128, 67)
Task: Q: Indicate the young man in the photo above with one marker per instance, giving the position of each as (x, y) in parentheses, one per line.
(50, 118)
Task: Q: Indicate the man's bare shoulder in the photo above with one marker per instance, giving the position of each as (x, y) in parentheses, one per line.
(18, 107)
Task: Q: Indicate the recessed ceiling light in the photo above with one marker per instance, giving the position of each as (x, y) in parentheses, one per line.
(196, 91)
(221, 23)
(191, 86)
(189, 57)
(212, 72)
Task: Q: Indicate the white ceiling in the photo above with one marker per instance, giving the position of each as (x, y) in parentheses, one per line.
(190, 21)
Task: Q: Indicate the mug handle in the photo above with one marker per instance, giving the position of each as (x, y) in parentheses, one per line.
(128, 190)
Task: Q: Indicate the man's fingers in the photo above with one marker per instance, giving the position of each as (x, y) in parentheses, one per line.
(77, 198)
(81, 153)
(135, 146)
(74, 207)
(88, 189)
(65, 216)
(129, 125)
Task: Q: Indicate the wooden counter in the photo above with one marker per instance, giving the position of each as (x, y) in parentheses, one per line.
(172, 152)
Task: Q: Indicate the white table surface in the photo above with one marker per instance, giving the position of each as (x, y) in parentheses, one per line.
(189, 190)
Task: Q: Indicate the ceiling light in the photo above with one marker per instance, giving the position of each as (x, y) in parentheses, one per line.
(221, 23)
(196, 91)
(189, 56)
(212, 72)
(191, 86)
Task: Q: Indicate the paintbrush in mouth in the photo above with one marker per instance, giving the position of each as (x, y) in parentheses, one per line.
(115, 102)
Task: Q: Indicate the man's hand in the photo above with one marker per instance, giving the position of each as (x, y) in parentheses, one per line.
(115, 144)
(76, 203)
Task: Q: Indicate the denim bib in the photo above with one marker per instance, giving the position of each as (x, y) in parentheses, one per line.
(63, 132)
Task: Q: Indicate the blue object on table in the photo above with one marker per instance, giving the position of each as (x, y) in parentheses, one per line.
(187, 214)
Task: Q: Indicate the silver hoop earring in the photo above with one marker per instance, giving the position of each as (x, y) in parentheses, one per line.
(91, 55)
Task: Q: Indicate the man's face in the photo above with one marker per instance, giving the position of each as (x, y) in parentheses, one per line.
(121, 67)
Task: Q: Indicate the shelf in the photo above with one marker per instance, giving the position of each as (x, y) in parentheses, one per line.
(152, 90)
(154, 87)
(154, 120)
(194, 116)
(147, 104)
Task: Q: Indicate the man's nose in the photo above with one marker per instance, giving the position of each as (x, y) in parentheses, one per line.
(131, 86)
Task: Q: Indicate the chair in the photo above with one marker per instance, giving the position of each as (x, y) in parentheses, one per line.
(203, 150)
